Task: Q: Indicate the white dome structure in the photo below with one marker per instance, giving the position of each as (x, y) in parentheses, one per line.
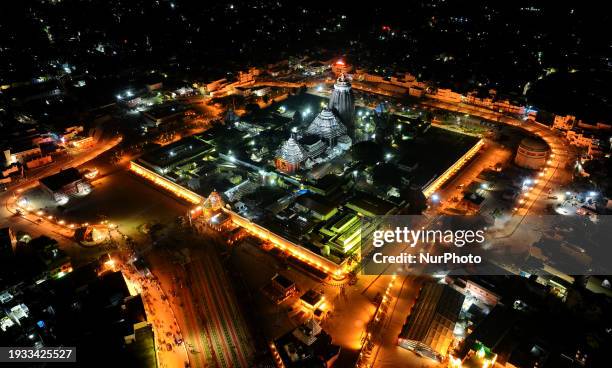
(289, 156)
(326, 125)
(291, 152)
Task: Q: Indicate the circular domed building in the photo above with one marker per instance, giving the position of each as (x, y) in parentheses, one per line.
(532, 153)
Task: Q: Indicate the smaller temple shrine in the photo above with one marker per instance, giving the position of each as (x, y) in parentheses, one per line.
(289, 156)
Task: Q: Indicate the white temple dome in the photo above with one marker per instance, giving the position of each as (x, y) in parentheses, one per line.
(326, 125)
(290, 151)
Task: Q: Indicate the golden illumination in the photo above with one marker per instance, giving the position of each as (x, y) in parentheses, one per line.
(286, 246)
(166, 184)
(454, 362)
(451, 171)
(303, 255)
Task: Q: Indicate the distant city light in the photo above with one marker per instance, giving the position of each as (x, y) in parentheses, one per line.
(23, 202)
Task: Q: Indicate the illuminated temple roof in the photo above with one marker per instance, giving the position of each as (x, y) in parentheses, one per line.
(290, 151)
(326, 125)
(342, 83)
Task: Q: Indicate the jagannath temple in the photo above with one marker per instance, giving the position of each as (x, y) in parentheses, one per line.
(326, 136)
(342, 101)
(289, 156)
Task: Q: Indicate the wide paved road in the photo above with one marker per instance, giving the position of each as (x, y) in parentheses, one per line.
(556, 173)
(207, 311)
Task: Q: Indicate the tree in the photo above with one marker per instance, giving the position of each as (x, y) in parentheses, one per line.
(599, 171)
(252, 107)
(386, 174)
(367, 152)
(417, 202)
(297, 117)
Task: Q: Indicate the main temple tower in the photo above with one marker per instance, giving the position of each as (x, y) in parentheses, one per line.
(342, 102)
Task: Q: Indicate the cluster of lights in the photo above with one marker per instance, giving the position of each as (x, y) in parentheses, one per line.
(41, 215)
(128, 94)
(529, 184)
(92, 173)
(454, 362)
(276, 356)
(362, 361)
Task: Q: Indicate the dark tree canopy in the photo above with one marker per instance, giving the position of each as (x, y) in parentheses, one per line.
(252, 107)
(600, 172)
(297, 117)
(367, 152)
(387, 174)
(417, 202)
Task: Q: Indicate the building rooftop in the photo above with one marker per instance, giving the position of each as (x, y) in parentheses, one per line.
(433, 317)
(282, 281)
(534, 144)
(309, 139)
(175, 153)
(315, 203)
(164, 111)
(312, 297)
(291, 152)
(57, 181)
(326, 125)
(370, 205)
